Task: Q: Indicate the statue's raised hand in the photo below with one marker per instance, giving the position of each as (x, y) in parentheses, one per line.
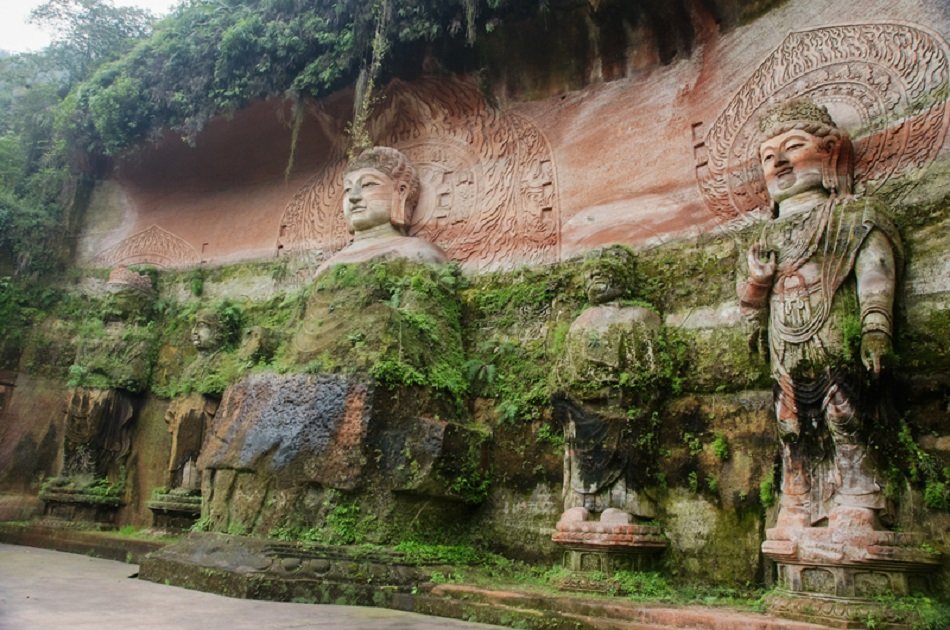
(875, 345)
(761, 264)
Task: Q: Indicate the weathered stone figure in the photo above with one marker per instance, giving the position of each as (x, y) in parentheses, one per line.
(380, 191)
(826, 260)
(98, 432)
(187, 418)
(606, 342)
(207, 334)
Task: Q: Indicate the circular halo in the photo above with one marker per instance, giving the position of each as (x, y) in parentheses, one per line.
(885, 84)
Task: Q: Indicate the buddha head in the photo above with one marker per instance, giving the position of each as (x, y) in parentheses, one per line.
(130, 295)
(379, 187)
(608, 273)
(206, 334)
(803, 150)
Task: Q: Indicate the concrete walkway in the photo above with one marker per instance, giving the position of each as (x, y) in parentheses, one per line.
(47, 590)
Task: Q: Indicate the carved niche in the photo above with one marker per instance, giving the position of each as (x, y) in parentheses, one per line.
(883, 83)
(489, 195)
(154, 246)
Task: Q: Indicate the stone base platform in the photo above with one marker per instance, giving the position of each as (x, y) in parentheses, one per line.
(254, 568)
(230, 569)
(79, 508)
(833, 575)
(100, 544)
(838, 612)
(175, 512)
(608, 547)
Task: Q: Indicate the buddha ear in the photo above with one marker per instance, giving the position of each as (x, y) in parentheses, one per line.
(829, 170)
(399, 215)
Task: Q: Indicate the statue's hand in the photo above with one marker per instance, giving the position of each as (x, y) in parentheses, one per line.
(761, 264)
(875, 345)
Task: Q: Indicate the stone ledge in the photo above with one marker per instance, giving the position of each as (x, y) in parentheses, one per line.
(534, 610)
(100, 545)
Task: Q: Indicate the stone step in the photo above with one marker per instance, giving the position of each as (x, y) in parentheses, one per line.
(519, 617)
(598, 614)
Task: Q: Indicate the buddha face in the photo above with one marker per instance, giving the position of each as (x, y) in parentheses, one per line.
(792, 163)
(203, 336)
(369, 196)
(606, 273)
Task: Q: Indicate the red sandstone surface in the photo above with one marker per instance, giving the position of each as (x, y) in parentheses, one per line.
(531, 182)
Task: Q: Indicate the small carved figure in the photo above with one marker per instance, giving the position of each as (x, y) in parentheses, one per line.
(380, 191)
(98, 432)
(187, 418)
(607, 343)
(827, 259)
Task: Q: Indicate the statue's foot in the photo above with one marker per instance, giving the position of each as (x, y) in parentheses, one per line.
(849, 517)
(794, 511)
(571, 516)
(613, 516)
(791, 520)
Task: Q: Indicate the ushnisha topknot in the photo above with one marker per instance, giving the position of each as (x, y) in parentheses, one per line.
(794, 113)
(395, 164)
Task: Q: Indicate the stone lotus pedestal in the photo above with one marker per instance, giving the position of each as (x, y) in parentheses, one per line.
(833, 575)
(613, 543)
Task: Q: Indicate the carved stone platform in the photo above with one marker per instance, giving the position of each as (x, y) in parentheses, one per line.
(832, 576)
(255, 568)
(175, 511)
(72, 507)
(594, 546)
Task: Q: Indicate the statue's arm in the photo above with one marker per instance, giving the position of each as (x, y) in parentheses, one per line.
(753, 284)
(876, 271)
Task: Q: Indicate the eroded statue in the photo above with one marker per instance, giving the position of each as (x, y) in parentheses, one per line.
(207, 334)
(121, 356)
(380, 191)
(608, 343)
(187, 418)
(98, 432)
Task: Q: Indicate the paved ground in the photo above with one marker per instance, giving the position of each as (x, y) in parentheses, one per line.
(47, 590)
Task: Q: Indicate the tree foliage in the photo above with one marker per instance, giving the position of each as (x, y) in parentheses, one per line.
(88, 33)
(212, 57)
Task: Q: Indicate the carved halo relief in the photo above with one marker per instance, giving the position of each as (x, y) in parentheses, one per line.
(886, 84)
(489, 188)
(154, 246)
(489, 195)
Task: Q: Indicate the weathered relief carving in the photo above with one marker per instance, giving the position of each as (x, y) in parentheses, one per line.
(154, 246)
(121, 354)
(208, 334)
(488, 194)
(97, 432)
(884, 83)
(827, 259)
(607, 344)
(187, 419)
(380, 190)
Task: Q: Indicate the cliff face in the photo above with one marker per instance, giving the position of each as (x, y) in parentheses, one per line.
(629, 126)
(565, 159)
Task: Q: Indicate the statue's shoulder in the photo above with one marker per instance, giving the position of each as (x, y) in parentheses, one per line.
(421, 250)
(867, 209)
(870, 213)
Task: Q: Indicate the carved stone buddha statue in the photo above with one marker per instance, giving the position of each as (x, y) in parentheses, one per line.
(380, 191)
